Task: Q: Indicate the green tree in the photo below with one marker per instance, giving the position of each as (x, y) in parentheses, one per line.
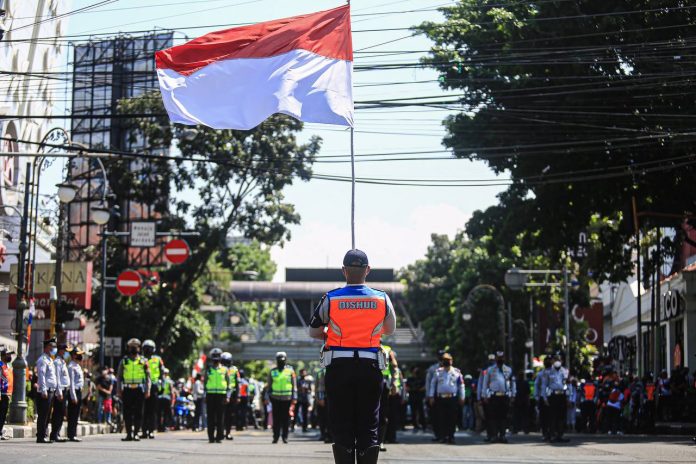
(583, 104)
(221, 182)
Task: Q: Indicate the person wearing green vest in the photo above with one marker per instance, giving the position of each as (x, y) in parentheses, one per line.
(217, 395)
(231, 408)
(281, 394)
(133, 387)
(397, 398)
(156, 366)
(165, 401)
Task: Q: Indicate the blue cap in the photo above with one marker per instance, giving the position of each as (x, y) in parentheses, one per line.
(355, 258)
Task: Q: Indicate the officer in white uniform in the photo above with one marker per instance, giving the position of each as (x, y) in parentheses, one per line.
(498, 388)
(47, 381)
(447, 395)
(554, 390)
(62, 391)
(77, 383)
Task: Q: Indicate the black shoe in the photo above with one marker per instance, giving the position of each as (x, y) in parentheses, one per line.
(285, 440)
(211, 441)
(488, 440)
(383, 448)
(219, 440)
(368, 456)
(229, 437)
(275, 440)
(43, 441)
(343, 455)
(144, 436)
(151, 435)
(502, 440)
(74, 439)
(127, 438)
(136, 438)
(450, 441)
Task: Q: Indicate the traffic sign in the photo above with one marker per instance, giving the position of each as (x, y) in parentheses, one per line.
(177, 251)
(142, 234)
(129, 283)
(112, 346)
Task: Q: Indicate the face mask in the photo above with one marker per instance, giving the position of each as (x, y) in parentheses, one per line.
(446, 363)
(281, 363)
(8, 359)
(557, 364)
(54, 351)
(66, 356)
(79, 357)
(499, 362)
(133, 351)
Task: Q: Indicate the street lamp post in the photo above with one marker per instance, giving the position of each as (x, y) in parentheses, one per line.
(466, 316)
(18, 407)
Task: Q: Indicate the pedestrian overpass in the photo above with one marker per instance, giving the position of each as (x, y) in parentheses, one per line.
(258, 342)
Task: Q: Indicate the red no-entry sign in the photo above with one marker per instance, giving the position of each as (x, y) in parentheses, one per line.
(129, 283)
(177, 251)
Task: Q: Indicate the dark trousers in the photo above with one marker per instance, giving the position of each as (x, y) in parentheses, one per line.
(230, 409)
(544, 420)
(215, 408)
(74, 414)
(588, 417)
(198, 419)
(242, 408)
(447, 409)
(43, 411)
(521, 417)
(383, 414)
(281, 418)
(133, 399)
(4, 407)
(58, 414)
(164, 412)
(303, 410)
(417, 411)
(150, 412)
(612, 417)
(557, 413)
(435, 422)
(394, 420)
(322, 418)
(353, 389)
(497, 411)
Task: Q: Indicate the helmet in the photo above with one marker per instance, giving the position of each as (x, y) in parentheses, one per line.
(149, 344)
(226, 358)
(215, 354)
(165, 371)
(133, 342)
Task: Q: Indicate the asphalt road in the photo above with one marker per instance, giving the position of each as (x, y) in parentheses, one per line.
(254, 447)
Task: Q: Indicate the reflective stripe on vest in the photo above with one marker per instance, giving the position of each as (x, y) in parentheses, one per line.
(7, 385)
(154, 363)
(356, 318)
(233, 371)
(134, 371)
(282, 382)
(217, 380)
(589, 391)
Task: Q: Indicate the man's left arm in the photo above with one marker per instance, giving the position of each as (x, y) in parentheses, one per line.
(320, 318)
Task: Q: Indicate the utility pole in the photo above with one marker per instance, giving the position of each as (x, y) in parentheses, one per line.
(566, 328)
(18, 407)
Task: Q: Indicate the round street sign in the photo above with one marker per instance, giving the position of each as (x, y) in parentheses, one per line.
(177, 251)
(129, 283)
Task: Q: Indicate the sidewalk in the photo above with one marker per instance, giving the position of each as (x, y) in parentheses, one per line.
(83, 429)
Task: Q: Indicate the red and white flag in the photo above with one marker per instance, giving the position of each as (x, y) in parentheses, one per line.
(236, 78)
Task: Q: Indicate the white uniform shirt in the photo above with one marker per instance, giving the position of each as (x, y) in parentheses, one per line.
(498, 380)
(46, 374)
(62, 374)
(448, 382)
(77, 379)
(554, 381)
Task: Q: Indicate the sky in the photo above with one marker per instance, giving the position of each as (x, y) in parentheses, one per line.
(393, 223)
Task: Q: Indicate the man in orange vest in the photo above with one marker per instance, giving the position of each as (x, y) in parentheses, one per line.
(6, 385)
(351, 321)
(588, 408)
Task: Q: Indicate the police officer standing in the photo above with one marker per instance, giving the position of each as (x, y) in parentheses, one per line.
(544, 420)
(47, 385)
(485, 405)
(498, 387)
(432, 413)
(62, 391)
(133, 379)
(217, 395)
(156, 366)
(6, 386)
(77, 383)
(282, 394)
(231, 407)
(554, 390)
(447, 390)
(355, 317)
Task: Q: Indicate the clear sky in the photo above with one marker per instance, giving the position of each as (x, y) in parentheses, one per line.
(394, 223)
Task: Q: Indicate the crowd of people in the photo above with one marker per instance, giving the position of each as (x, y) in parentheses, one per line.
(141, 398)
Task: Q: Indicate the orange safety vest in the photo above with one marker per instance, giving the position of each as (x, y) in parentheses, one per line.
(356, 315)
(589, 391)
(9, 375)
(650, 391)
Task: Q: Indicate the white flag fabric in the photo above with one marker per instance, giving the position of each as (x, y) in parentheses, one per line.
(235, 79)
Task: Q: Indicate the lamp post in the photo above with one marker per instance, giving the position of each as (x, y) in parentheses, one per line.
(466, 316)
(18, 407)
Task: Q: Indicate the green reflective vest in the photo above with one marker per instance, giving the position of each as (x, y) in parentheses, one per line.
(233, 371)
(154, 362)
(216, 381)
(397, 379)
(282, 381)
(167, 388)
(386, 372)
(134, 371)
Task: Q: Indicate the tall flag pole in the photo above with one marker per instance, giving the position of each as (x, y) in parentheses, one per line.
(352, 180)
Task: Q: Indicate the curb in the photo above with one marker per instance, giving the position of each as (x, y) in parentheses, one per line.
(83, 429)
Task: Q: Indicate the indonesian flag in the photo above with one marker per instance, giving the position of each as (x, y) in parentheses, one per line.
(236, 78)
